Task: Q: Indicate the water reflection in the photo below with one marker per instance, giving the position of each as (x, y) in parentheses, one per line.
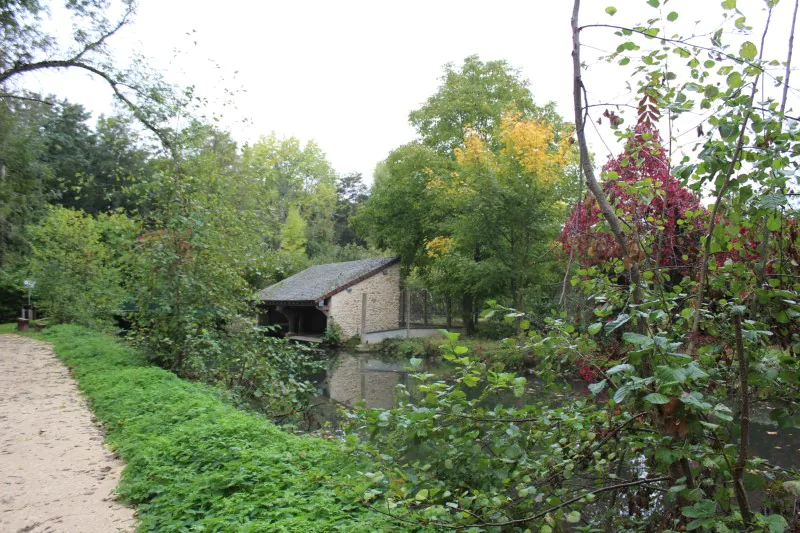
(355, 378)
(369, 378)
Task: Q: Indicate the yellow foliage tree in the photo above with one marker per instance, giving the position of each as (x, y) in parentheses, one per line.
(506, 202)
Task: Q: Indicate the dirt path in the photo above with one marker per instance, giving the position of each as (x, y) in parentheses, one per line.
(55, 473)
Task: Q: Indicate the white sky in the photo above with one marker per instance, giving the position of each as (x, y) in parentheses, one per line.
(346, 73)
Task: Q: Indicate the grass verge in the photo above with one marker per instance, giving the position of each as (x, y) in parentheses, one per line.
(196, 463)
(10, 327)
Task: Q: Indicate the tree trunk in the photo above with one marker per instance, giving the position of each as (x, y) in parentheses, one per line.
(466, 314)
(586, 162)
(744, 422)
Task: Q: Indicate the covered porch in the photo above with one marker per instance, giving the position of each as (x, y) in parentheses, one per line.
(299, 320)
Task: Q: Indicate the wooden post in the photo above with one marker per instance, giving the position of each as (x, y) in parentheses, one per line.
(448, 309)
(363, 313)
(408, 314)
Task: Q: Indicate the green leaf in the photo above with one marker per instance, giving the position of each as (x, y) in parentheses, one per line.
(695, 399)
(611, 10)
(656, 398)
(574, 517)
(729, 4)
(654, 3)
(595, 328)
(460, 350)
(793, 487)
(723, 412)
(470, 380)
(773, 223)
(748, 50)
(668, 375)
(624, 390)
(734, 80)
(597, 388)
(692, 371)
(707, 523)
(776, 523)
(702, 509)
(772, 200)
(621, 319)
(635, 338)
(624, 367)
(421, 495)
(672, 17)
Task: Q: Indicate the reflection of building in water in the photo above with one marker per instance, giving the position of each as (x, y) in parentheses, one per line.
(344, 381)
(353, 379)
(379, 388)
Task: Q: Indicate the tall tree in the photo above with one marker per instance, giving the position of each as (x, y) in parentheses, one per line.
(351, 193)
(473, 96)
(461, 204)
(291, 174)
(399, 212)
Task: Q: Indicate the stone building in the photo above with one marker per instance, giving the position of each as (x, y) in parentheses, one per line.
(360, 296)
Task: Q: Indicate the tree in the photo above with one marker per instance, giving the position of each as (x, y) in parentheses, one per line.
(399, 212)
(472, 97)
(293, 234)
(77, 271)
(351, 193)
(510, 205)
(471, 190)
(204, 241)
(23, 173)
(663, 217)
(23, 193)
(694, 349)
(27, 45)
(293, 175)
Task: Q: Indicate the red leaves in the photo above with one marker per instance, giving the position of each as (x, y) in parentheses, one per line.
(663, 206)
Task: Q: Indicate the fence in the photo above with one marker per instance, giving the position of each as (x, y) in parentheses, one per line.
(426, 310)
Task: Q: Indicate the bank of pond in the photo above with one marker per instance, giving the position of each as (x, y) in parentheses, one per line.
(197, 462)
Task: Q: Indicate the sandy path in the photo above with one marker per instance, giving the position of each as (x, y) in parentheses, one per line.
(55, 473)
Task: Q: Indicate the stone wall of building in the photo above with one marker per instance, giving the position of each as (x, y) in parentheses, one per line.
(383, 303)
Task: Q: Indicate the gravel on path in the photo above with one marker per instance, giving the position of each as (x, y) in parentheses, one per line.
(55, 473)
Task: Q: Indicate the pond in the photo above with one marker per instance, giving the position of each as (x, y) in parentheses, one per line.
(355, 377)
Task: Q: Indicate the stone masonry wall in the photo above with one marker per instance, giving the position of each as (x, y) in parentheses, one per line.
(383, 303)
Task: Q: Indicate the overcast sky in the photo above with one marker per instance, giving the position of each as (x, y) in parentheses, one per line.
(346, 73)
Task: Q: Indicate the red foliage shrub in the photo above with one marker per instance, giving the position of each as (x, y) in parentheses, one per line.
(653, 215)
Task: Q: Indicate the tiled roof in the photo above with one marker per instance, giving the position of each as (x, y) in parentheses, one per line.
(323, 281)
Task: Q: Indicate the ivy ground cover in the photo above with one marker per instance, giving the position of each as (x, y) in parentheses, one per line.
(194, 462)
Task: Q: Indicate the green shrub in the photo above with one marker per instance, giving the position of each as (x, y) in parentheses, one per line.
(194, 461)
(75, 263)
(333, 334)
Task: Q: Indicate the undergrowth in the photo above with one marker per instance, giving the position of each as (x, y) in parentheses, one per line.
(194, 462)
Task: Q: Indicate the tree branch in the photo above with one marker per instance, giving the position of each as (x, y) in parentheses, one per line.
(789, 59)
(26, 98)
(99, 42)
(586, 163)
(701, 288)
(113, 83)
